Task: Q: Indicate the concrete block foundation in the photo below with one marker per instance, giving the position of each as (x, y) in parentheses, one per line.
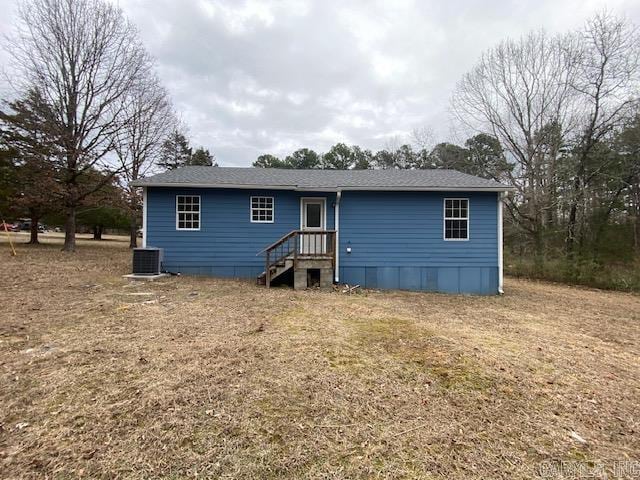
(307, 271)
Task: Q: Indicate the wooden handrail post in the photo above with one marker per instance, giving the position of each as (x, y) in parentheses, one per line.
(267, 272)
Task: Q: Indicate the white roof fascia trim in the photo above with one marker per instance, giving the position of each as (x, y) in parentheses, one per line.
(430, 189)
(223, 185)
(328, 189)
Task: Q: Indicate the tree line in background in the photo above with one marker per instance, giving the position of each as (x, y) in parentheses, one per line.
(557, 117)
(480, 155)
(90, 116)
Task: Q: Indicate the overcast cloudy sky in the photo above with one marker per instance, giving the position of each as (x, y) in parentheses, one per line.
(253, 77)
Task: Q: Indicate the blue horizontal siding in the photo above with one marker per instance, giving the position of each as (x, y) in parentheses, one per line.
(396, 238)
(466, 280)
(396, 241)
(227, 242)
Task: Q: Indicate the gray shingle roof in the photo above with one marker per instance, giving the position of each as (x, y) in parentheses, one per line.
(320, 179)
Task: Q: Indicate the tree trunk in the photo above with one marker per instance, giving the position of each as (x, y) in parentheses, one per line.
(552, 193)
(636, 219)
(573, 218)
(636, 234)
(603, 222)
(33, 240)
(133, 232)
(97, 232)
(70, 230)
(538, 253)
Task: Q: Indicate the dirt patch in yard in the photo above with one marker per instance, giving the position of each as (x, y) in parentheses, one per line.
(187, 377)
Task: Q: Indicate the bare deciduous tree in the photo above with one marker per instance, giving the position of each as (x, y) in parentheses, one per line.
(516, 91)
(555, 103)
(84, 57)
(423, 138)
(607, 87)
(139, 142)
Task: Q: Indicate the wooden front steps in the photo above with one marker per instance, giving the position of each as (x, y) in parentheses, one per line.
(276, 270)
(311, 255)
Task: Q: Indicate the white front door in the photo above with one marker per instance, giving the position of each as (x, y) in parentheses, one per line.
(313, 211)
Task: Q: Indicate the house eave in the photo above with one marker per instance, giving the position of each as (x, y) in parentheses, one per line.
(298, 188)
(428, 189)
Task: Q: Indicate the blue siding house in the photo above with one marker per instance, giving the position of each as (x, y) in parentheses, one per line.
(432, 230)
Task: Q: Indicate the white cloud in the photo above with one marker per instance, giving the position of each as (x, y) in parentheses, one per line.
(297, 98)
(252, 77)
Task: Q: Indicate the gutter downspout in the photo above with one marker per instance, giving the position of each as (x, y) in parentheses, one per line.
(144, 217)
(500, 246)
(337, 228)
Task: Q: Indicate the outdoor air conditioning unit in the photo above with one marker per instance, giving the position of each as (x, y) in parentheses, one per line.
(147, 261)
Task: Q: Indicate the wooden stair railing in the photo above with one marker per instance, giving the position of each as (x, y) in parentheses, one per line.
(295, 245)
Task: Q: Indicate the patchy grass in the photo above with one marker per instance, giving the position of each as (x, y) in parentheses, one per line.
(187, 377)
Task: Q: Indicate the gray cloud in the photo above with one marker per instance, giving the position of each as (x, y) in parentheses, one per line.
(258, 77)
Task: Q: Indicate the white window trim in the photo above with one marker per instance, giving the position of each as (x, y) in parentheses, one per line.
(324, 208)
(445, 218)
(336, 225)
(199, 214)
(323, 218)
(500, 245)
(273, 209)
(144, 217)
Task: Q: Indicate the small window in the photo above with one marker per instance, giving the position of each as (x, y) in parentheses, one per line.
(187, 212)
(313, 215)
(262, 209)
(456, 219)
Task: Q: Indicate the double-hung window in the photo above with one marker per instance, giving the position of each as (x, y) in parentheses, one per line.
(261, 209)
(456, 219)
(188, 212)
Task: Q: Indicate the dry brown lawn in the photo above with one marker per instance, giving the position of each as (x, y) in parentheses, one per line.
(202, 377)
